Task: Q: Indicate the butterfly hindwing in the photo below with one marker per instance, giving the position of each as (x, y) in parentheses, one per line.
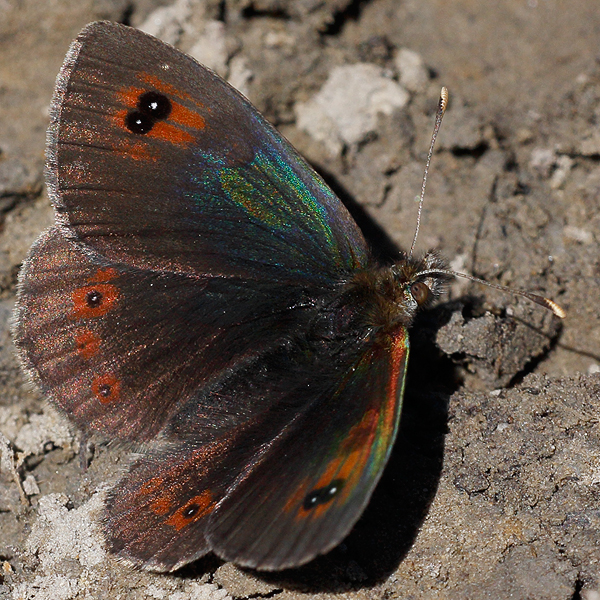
(156, 516)
(311, 456)
(190, 177)
(314, 480)
(199, 454)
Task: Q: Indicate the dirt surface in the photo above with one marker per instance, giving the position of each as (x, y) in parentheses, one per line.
(493, 488)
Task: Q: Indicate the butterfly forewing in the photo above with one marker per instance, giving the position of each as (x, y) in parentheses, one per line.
(189, 175)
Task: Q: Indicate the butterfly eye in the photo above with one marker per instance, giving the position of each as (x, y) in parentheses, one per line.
(420, 292)
(322, 495)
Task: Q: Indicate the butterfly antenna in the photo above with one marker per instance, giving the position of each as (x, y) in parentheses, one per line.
(541, 300)
(442, 104)
(559, 311)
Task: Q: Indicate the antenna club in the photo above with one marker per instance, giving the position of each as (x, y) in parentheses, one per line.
(443, 99)
(559, 311)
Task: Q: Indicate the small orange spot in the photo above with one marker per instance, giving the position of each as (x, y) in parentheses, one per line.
(140, 151)
(193, 510)
(106, 388)
(88, 344)
(94, 300)
(161, 506)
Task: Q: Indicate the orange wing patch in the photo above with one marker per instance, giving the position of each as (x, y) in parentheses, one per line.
(93, 301)
(107, 388)
(174, 130)
(193, 510)
(88, 344)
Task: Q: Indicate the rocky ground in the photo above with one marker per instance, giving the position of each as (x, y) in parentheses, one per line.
(493, 488)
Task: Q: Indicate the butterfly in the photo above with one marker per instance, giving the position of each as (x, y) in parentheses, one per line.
(204, 295)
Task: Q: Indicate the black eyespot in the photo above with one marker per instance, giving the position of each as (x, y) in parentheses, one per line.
(190, 511)
(420, 292)
(323, 495)
(93, 298)
(137, 122)
(104, 390)
(154, 105)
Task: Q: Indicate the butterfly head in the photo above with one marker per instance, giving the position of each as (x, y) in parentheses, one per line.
(418, 280)
(393, 295)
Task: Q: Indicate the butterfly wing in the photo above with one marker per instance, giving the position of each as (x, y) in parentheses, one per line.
(120, 348)
(156, 162)
(157, 514)
(298, 494)
(314, 480)
(198, 233)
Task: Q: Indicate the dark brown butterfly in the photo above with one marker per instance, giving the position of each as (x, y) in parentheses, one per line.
(204, 294)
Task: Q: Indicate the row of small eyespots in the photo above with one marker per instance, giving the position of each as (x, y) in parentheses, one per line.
(92, 302)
